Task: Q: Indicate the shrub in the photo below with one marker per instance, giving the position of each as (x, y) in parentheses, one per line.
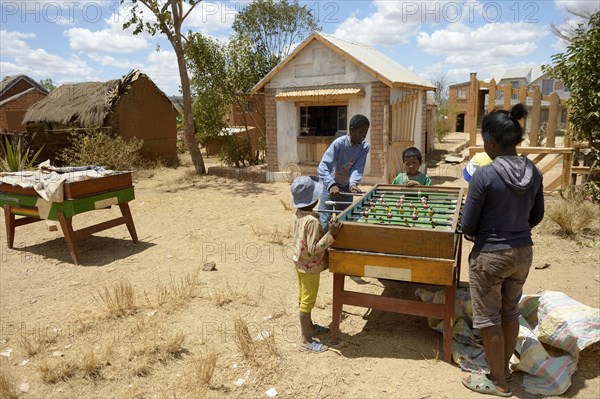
(16, 155)
(573, 212)
(102, 149)
(238, 152)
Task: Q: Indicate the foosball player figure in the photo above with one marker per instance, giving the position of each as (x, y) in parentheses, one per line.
(412, 159)
(310, 255)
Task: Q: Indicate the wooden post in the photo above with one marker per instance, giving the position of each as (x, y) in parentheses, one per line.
(522, 100)
(492, 96)
(535, 117)
(386, 144)
(473, 107)
(552, 120)
(507, 89)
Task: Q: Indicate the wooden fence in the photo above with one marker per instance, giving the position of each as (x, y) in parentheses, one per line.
(399, 121)
(547, 157)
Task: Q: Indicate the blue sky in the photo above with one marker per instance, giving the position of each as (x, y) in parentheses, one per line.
(83, 40)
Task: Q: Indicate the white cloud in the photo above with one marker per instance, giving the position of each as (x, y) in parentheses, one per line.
(396, 22)
(38, 62)
(162, 69)
(211, 16)
(107, 60)
(112, 38)
(578, 5)
(12, 43)
(468, 46)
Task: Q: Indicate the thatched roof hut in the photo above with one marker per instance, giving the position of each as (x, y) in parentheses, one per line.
(132, 107)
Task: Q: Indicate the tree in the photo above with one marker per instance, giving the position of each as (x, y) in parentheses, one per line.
(578, 69)
(440, 82)
(169, 16)
(272, 28)
(568, 30)
(206, 58)
(47, 84)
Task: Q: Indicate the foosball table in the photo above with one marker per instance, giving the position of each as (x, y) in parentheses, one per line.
(79, 197)
(404, 234)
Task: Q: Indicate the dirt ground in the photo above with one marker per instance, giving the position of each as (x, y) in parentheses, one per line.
(173, 326)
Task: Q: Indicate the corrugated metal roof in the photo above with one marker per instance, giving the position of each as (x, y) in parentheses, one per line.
(341, 92)
(378, 62)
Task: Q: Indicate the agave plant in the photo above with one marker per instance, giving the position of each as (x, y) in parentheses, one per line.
(16, 158)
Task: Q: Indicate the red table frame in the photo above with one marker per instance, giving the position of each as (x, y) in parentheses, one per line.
(443, 311)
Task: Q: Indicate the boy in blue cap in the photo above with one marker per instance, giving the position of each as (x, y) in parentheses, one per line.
(310, 255)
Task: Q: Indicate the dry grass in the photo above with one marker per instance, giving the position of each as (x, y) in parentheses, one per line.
(243, 339)
(572, 217)
(8, 387)
(269, 345)
(203, 368)
(92, 366)
(31, 344)
(120, 301)
(177, 292)
(287, 205)
(54, 372)
(223, 296)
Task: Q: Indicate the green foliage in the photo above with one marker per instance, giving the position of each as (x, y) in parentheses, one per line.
(102, 149)
(47, 84)
(578, 68)
(16, 156)
(238, 152)
(442, 122)
(272, 28)
(207, 60)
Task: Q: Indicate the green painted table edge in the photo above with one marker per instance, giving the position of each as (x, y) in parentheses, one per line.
(70, 207)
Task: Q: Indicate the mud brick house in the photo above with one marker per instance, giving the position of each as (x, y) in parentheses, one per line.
(313, 93)
(132, 106)
(17, 94)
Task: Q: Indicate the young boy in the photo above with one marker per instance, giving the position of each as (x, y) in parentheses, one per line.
(412, 162)
(310, 255)
(342, 166)
(505, 201)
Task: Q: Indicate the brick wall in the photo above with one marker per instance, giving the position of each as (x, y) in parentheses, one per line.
(271, 130)
(380, 97)
(12, 113)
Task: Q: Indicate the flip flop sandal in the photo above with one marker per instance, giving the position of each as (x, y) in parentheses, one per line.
(313, 347)
(481, 384)
(508, 378)
(319, 329)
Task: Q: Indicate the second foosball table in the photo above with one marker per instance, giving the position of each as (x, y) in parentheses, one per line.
(404, 234)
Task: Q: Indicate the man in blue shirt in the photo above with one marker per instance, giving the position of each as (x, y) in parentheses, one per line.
(342, 166)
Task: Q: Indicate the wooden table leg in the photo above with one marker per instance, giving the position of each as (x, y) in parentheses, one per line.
(9, 221)
(449, 306)
(67, 228)
(129, 220)
(338, 289)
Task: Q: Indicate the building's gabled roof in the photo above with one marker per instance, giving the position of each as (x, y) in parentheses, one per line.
(85, 104)
(12, 98)
(10, 81)
(366, 57)
(513, 73)
(536, 73)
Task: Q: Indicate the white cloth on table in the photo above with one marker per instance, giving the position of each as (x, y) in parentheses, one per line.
(49, 184)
